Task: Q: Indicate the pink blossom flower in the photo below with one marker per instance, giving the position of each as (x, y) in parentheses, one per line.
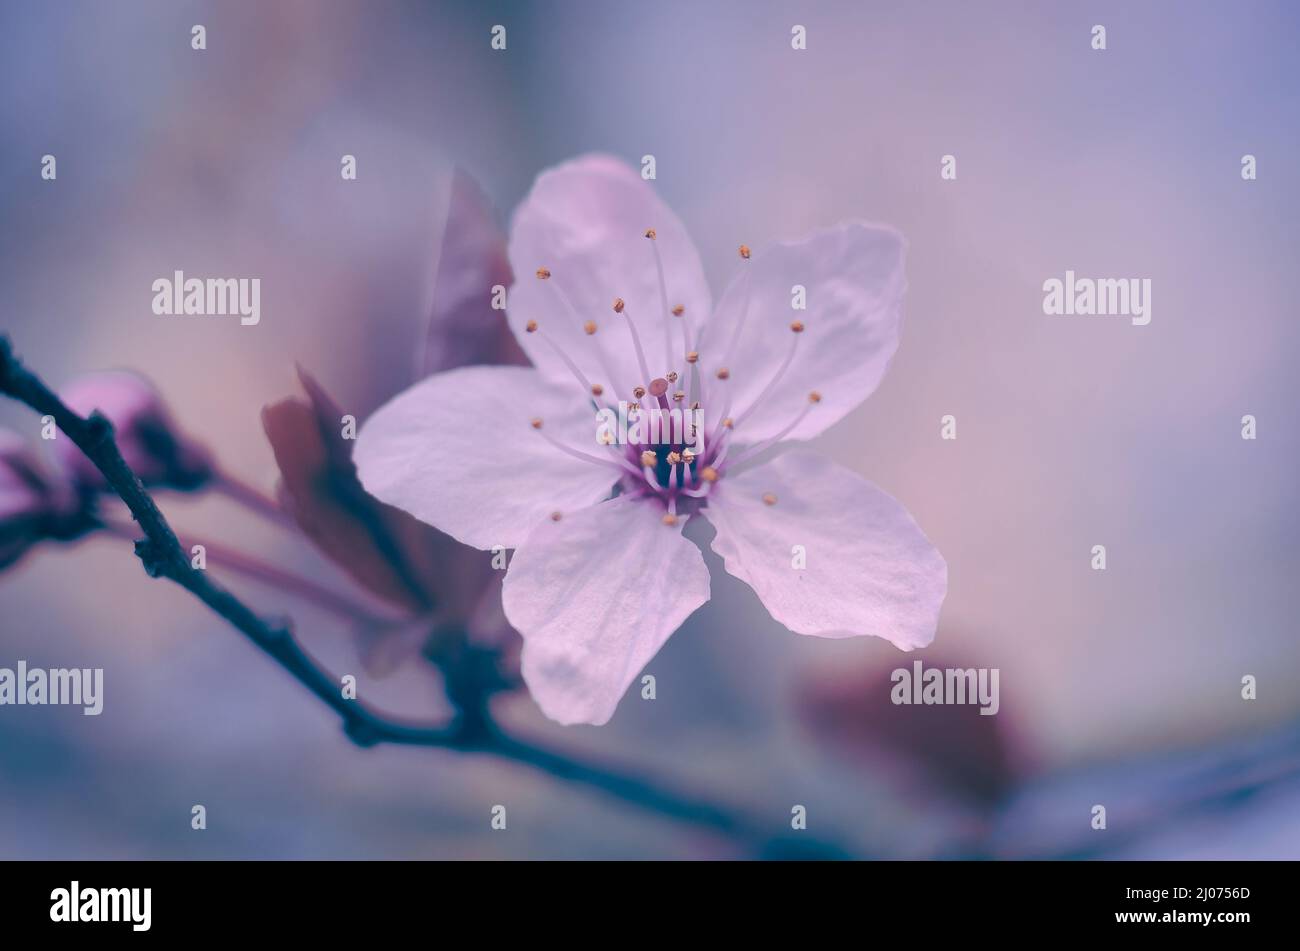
(149, 439)
(619, 311)
(33, 506)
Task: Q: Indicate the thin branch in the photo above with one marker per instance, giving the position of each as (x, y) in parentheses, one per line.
(266, 573)
(251, 498)
(162, 556)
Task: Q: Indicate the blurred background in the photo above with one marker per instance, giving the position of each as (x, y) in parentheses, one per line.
(1119, 687)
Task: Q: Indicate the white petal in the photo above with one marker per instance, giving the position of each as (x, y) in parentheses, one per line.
(595, 596)
(853, 277)
(585, 221)
(869, 568)
(458, 451)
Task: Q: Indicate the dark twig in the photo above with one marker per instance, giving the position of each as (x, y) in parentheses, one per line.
(162, 556)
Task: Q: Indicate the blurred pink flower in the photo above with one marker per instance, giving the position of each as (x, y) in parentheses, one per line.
(948, 748)
(602, 575)
(33, 506)
(151, 443)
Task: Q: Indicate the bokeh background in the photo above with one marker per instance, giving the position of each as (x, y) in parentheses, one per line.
(1119, 687)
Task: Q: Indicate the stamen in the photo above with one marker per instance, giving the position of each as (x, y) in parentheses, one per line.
(638, 392)
(724, 420)
(543, 273)
(556, 516)
(764, 393)
(688, 329)
(769, 499)
(648, 459)
(618, 463)
(693, 356)
(587, 385)
(723, 373)
(573, 314)
(813, 399)
(621, 308)
(671, 378)
(709, 474)
(744, 313)
(715, 436)
(663, 297)
(670, 519)
(589, 327)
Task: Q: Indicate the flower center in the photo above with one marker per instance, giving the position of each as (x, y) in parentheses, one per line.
(668, 437)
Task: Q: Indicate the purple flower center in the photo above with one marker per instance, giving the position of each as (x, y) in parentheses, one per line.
(670, 436)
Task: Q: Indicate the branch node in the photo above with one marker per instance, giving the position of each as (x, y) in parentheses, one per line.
(6, 361)
(99, 429)
(361, 732)
(278, 629)
(152, 557)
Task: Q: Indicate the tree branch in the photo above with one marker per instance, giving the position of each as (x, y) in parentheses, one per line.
(162, 555)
